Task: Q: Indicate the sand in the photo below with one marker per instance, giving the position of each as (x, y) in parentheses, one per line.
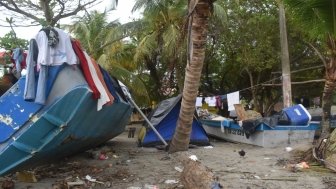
(124, 165)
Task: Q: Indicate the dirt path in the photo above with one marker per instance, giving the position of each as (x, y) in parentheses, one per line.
(131, 167)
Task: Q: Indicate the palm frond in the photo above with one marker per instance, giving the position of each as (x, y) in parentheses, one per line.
(316, 16)
(219, 13)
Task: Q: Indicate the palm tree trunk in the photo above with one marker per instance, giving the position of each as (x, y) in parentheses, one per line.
(329, 87)
(198, 34)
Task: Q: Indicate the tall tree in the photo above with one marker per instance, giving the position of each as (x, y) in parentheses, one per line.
(319, 20)
(45, 12)
(199, 12)
(286, 77)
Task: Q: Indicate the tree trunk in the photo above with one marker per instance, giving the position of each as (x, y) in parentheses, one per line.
(329, 87)
(198, 34)
(286, 79)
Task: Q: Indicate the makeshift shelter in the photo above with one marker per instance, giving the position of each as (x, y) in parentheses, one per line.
(164, 118)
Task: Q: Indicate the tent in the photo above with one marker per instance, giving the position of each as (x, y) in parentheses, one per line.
(164, 119)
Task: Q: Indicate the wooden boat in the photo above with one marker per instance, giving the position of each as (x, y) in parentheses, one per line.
(68, 123)
(264, 136)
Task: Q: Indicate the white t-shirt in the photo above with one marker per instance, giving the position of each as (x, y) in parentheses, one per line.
(61, 53)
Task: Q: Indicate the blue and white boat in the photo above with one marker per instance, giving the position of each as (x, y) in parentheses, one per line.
(66, 124)
(298, 130)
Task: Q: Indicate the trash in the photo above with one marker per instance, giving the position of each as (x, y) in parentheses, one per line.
(89, 178)
(193, 157)
(103, 156)
(133, 187)
(299, 166)
(149, 186)
(171, 182)
(208, 147)
(179, 169)
(288, 149)
(267, 158)
(256, 176)
(26, 176)
(75, 184)
(302, 165)
(8, 184)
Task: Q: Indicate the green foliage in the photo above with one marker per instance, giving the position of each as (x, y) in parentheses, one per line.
(103, 42)
(317, 17)
(9, 41)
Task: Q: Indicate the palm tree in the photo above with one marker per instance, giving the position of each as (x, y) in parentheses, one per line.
(103, 41)
(160, 44)
(199, 12)
(319, 19)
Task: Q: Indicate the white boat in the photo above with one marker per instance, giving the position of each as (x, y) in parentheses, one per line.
(292, 126)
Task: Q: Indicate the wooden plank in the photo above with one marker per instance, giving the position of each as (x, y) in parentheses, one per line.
(240, 111)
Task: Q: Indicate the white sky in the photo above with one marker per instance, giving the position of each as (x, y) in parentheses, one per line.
(123, 13)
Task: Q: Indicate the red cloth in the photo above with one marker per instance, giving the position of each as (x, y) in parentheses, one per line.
(84, 65)
(23, 63)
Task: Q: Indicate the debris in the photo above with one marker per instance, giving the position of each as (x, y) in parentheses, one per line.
(281, 179)
(149, 186)
(8, 184)
(241, 153)
(171, 182)
(288, 149)
(103, 156)
(179, 169)
(193, 157)
(256, 176)
(89, 178)
(299, 166)
(208, 147)
(76, 184)
(195, 175)
(267, 158)
(26, 176)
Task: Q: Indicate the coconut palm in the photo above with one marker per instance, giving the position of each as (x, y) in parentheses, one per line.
(319, 20)
(103, 41)
(199, 12)
(160, 44)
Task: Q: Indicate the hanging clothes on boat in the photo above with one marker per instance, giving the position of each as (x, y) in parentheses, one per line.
(29, 90)
(85, 68)
(50, 47)
(18, 58)
(105, 95)
(51, 54)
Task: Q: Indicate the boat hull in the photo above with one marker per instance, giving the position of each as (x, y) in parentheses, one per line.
(68, 124)
(264, 136)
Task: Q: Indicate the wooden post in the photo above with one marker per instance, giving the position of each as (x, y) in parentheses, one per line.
(286, 78)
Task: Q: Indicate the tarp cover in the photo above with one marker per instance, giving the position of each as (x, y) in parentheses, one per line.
(164, 118)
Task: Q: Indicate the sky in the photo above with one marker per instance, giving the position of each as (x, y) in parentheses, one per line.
(123, 13)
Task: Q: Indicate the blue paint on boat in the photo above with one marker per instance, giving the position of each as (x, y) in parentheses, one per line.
(264, 135)
(69, 123)
(313, 125)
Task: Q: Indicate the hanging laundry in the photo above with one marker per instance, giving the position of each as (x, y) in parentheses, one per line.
(232, 98)
(85, 68)
(55, 54)
(211, 101)
(105, 96)
(198, 101)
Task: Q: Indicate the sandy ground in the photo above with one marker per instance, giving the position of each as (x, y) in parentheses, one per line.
(132, 167)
